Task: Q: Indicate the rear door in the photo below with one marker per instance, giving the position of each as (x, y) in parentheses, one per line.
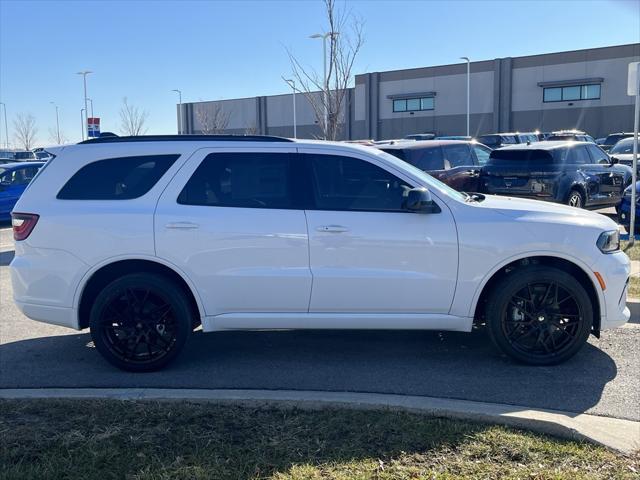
(462, 169)
(231, 219)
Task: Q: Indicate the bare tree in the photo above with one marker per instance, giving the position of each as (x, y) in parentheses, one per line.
(345, 37)
(53, 137)
(25, 130)
(251, 130)
(132, 119)
(212, 118)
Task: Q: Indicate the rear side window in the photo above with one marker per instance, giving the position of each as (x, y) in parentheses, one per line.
(458, 155)
(520, 157)
(249, 180)
(426, 159)
(120, 178)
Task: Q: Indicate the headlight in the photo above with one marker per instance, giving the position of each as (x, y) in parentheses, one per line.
(609, 242)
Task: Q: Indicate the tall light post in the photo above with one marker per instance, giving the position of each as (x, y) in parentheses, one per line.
(91, 109)
(292, 84)
(6, 129)
(84, 74)
(82, 126)
(468, 89)
(324, 37)
(179, 92)
(57, 122)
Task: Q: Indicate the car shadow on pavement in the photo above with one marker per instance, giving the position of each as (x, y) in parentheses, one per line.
(439, 364)
(6, 257)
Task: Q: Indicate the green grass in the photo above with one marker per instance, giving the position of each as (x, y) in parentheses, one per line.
(87, 440)
(633, 252)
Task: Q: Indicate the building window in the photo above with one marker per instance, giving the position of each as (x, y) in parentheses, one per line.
(413, 104)
(571, 93)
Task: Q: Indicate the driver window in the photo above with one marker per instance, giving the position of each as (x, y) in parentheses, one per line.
(347, 183)
(598, 155)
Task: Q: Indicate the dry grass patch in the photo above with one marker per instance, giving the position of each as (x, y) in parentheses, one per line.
(74, 439)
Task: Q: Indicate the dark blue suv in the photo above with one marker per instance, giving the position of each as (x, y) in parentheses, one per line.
(14, 178)
(579, 174)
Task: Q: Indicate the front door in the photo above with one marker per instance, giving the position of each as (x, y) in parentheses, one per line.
(231, 220)
(368, 254)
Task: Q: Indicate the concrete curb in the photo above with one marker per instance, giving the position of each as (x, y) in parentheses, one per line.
(617, 434)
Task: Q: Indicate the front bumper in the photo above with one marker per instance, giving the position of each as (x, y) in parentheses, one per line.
(615, 269)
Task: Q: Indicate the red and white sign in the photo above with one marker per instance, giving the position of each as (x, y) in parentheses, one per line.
(93, 126)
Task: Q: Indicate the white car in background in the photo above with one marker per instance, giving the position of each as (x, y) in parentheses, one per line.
(142, 239)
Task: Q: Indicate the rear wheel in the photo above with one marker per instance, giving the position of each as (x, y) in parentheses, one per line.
(539, 315)
(575, 199)
(140, 322)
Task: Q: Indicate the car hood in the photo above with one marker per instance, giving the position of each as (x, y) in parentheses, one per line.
(537, 211)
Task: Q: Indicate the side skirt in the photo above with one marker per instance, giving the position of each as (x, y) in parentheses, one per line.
(336, 321)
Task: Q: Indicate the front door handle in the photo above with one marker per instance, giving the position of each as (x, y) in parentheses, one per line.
(332, 228)
(182, 225)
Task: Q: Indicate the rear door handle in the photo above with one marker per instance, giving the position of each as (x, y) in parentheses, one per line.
(332, 228)
(182, 225)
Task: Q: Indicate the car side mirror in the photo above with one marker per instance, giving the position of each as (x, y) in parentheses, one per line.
(614, 160)
(419, 201)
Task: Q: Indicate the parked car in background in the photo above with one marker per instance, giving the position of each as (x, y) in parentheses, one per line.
(14, 178)
(576, 135)
(578, 174)
(454, 137)
(454, 162)
(25, 156)
(499, 140)
(420, 136)
(144, 239)
(623, 152)
(624, 211)
(614, 138)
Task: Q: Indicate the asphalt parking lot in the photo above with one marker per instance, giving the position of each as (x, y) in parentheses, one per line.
(603, 379)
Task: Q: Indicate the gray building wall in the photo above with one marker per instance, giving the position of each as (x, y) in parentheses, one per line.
(506, 95)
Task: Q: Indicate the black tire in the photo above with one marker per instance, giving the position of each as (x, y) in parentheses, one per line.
(539, 315)
(575, 199)
(140, 322)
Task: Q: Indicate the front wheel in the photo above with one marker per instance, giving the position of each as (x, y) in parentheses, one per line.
(140, 322)
(575, 199)
(539, 315)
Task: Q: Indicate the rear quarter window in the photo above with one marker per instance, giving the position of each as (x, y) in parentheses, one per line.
(121, 178)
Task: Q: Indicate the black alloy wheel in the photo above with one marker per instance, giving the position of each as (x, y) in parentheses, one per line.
(140, 322)
(539, 315)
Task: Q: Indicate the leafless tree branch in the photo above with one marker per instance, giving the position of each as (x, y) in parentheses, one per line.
(212, 118)
(25, 130)
(132, 119)
(345, 42)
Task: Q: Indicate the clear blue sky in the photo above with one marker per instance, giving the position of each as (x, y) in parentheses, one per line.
(227, 49)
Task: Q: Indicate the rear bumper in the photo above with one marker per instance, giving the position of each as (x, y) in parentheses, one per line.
(62, 316)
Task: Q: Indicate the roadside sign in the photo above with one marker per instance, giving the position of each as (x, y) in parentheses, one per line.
(93, 126)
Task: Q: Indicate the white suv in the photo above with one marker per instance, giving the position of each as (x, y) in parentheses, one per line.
(142, 239)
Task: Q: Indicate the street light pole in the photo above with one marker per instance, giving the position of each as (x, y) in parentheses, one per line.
(179, 92)
(84, 74)
(468, 89)
(91, 102)
(57, 122)
(6, 129)
(325, 82)
(292, 84)
(82, 123)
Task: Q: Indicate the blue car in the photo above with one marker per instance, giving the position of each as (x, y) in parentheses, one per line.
(625, 208)
(14, 178)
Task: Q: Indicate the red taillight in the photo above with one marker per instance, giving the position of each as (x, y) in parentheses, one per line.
(23, 224)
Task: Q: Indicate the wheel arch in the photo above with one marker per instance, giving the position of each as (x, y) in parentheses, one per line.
(570, 265)
(109, 270)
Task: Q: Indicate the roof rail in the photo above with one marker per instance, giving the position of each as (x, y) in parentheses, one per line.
(186, 138)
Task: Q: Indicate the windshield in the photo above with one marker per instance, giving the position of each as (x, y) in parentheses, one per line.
(424, 177)
(623, 146)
